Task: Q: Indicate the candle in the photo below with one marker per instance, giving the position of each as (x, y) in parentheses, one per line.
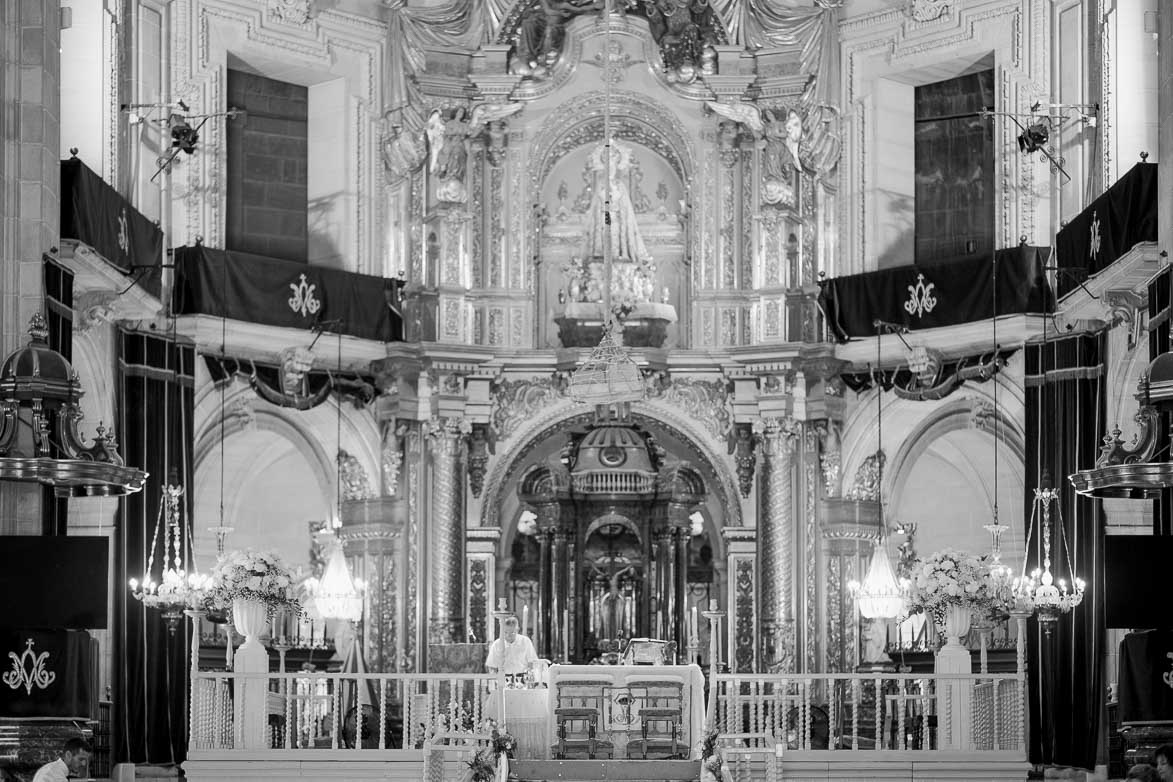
(566, 635)
(525, 619)
(696, 634)
(713, 604)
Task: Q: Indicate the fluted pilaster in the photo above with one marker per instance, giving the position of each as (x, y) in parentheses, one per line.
(776, 543)
(445, 564)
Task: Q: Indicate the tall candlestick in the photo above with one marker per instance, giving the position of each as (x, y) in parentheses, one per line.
(525, 620)
(565, 635)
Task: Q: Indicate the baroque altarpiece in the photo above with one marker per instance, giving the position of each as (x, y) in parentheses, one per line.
(512, 163)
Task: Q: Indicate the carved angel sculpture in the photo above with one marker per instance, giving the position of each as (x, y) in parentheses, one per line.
(484, 113)
(745, 113)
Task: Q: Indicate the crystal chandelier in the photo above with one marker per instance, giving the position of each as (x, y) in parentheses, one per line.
(1041, 592)
(880, 596)
(176, 590)
(609, 375)
(336, 596)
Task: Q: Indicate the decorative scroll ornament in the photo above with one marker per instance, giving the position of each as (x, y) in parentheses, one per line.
(920, 297)
(28, 670)
(1167, 676)
(303, 299)
(741, 444)
(1095, 241)
(929, 10)
(481, 444)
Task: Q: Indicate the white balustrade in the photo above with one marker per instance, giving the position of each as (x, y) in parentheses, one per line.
(870, 711)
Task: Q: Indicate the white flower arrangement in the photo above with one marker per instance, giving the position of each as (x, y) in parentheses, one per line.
(252, 575)
(955, 578)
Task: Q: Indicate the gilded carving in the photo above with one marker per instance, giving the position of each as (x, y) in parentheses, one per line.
(704, 400)
(866, 486)
(392, 456)
(355, 483)
(515, 401)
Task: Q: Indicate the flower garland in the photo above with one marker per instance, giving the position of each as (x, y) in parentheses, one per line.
(252, 575)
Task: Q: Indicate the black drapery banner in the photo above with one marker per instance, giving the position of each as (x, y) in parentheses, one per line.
(258, 289)
(94, 213)
(151, 669)
(1064, 423)
(1109, 227)
(58, 675)
(1145, 692)
(934, 295)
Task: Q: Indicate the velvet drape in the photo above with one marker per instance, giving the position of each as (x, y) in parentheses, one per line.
(155, 403)
(1064, 419)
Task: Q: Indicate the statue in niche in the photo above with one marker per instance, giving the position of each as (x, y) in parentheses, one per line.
(614, 613)
(685, 31)
(610, 166)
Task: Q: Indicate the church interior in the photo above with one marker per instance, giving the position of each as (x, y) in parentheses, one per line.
(585, 389)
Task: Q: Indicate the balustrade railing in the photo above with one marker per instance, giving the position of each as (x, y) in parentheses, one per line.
(880, 711)
(835, 712)
(302, 710)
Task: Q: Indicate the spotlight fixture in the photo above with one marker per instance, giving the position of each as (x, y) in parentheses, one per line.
(183, 135)
(1033, 138)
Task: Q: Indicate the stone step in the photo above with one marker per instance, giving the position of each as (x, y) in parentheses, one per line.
(586, 770)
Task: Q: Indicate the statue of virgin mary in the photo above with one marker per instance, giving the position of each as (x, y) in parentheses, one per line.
(611, 167)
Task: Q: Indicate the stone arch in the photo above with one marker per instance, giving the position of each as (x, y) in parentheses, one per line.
(579, 121)
(539, 428)
(302, 442)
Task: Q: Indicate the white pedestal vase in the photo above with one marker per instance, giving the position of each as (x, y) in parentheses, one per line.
(954, 698)
(250, 701)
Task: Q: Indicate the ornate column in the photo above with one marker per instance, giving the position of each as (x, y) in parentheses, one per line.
(681, 527)
(445, 564)
(665, 537)
(548, 514)
(776, 544)
(559, 591)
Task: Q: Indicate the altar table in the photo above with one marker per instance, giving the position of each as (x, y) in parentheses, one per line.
(621, 683)
(527, 713)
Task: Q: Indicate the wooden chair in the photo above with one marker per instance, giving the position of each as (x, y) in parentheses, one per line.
(576, 718)
(661, 715)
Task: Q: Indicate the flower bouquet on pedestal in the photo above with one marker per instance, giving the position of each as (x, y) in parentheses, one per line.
(954, 587)
(256, 576)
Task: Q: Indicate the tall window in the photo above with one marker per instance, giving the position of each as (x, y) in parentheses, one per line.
(267, 172)
(954, 154)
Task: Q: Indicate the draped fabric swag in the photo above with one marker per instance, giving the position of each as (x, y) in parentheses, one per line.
(1064, 421)
(755, 24)
(155, 387)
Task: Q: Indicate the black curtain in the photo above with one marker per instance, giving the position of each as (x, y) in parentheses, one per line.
(151, 666)
(1064, 418)
(58, 282)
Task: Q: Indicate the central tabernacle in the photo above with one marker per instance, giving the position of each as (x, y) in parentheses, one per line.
(613, 533)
